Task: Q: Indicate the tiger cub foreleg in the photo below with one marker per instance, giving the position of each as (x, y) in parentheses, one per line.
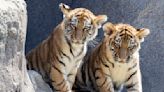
(103, 81)
(59, 79)
(71, 76)
(133, 83)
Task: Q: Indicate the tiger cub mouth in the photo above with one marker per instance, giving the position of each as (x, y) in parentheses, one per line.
(77, 41)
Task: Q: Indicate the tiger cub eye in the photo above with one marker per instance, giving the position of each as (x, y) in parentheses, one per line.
(87, 27)
(112, 48)
(117, 41)
(132, 44)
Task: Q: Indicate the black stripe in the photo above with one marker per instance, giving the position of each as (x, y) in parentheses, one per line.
(121, 31)
(130, 32)
(62, 63)
(77, 85)
(96, 69)
(66, 89)
(133, 90)
(110, 62)
(89, 76)
(116, 87)
(69, 44)
(63, 85)
(122, 34)
(97, 77)
(83, 74)
(71, 51)
(107, 86)
(59, 84)
(131, 76)
(107, 75)
(37, 61)
(65, 55)
(32, 62)
(105, 64)
(57, 69)
(110, 86)
(131, 87)
(29, 61)
(70, 75)
(132, 67)
(103, 83)
(107, 60)
(41, 68)
(29, 65)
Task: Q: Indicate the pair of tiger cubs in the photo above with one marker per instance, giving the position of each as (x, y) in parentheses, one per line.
(112, 64)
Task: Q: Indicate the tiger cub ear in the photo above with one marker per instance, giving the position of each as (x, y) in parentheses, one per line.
(100, 19)
(64, 8)
(143, 32)
(108, 28)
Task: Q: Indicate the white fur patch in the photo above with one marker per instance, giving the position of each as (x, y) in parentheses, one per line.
(119, 72)
(76, 49)
(64, 6)
(74, 20)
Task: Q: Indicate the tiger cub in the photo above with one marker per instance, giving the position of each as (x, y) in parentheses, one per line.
(114, 63)
(58, 57)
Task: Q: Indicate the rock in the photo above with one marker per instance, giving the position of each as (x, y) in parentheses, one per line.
(38, 82)
(13, 22)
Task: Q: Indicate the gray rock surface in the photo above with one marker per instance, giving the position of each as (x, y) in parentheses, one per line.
(45, 15)
(38, 82)
(13, 22)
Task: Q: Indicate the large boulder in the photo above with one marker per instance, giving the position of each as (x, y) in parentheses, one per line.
(13, 22)
(38, 83)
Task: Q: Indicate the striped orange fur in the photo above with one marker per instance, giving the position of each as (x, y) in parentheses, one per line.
(58, 57)
(114, 62)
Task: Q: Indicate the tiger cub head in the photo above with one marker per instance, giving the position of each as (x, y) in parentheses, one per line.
(123, 40)
(81, 25)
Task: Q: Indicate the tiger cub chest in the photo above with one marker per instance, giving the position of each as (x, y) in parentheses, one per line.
(74, 57)
(119, 73)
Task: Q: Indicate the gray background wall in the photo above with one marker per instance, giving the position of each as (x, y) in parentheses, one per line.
(44, 15)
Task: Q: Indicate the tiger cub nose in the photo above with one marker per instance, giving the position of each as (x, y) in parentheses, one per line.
(123, 60)
(78, 35)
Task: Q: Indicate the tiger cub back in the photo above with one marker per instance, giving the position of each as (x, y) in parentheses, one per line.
(114, 63)
(58, 57)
